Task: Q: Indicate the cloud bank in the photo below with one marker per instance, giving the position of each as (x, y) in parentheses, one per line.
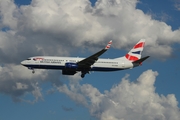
(125, 101)
(17, 81)
(55, 27)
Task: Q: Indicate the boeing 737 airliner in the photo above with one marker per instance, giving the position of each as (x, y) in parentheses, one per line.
(72, 65)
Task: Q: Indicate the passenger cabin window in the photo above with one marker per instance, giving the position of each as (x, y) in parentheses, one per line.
(28, 59)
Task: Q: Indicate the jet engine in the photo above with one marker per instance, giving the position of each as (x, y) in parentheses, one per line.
(68, 72)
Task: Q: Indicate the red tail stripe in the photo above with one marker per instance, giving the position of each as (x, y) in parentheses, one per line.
(131, 58)
(139, 45)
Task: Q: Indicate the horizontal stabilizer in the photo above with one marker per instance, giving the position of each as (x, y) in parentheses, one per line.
(140, 60)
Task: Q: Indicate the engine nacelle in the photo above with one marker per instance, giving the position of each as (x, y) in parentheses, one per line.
(68, 72)
(72, 66)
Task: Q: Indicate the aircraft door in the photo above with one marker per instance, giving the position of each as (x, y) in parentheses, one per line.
(122, 64)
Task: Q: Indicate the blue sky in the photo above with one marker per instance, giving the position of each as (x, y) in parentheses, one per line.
(162, 9)
(57, 105)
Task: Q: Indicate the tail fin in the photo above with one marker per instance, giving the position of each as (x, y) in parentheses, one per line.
(135, 53)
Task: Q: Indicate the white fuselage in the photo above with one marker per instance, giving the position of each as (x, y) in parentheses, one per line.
(49, 62)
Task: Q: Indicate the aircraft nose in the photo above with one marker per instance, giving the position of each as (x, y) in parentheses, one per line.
(22, 63)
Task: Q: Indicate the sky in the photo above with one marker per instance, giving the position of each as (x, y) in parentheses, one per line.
(81, 28)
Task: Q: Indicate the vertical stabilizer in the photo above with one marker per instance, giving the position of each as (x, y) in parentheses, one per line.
(135, 53)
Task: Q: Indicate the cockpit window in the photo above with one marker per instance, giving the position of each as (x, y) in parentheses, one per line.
(28, 59)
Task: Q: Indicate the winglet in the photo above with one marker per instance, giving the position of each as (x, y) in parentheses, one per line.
(108, 45)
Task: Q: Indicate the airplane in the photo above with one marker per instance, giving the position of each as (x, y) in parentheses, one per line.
(72, 65)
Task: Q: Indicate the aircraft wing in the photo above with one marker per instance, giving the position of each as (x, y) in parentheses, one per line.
(87, 62)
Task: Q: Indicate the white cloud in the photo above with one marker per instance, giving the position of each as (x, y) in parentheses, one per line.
(16, 80)
(21, 86)
(58, 27)
(63, 24)
(8, 14)
(126, 100)
(177, 4)
(15, 71)
(37, 92)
